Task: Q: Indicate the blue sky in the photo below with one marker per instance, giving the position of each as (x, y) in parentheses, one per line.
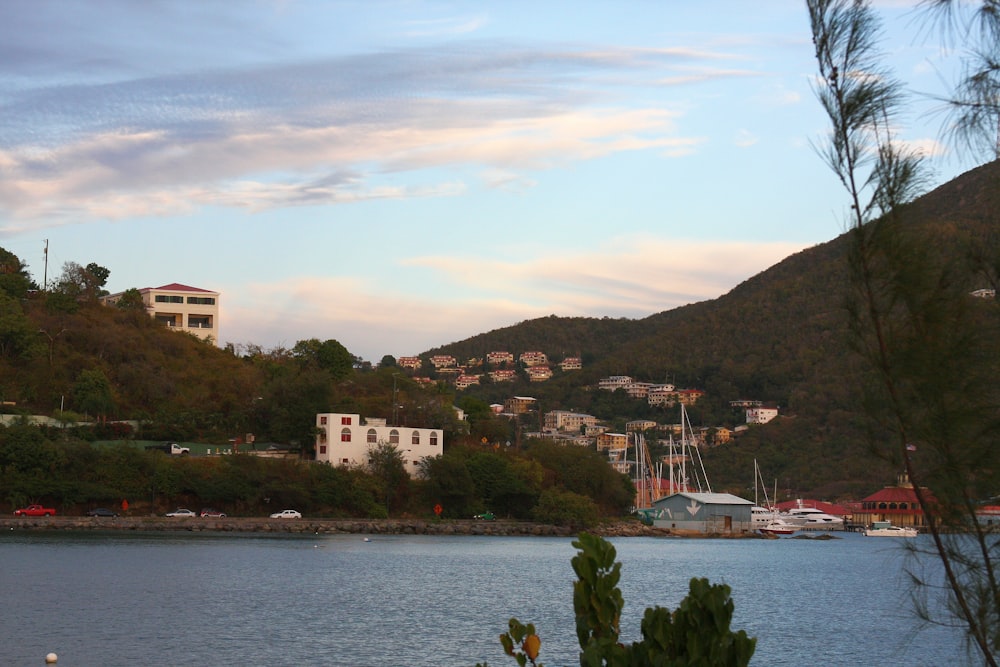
(399, 175)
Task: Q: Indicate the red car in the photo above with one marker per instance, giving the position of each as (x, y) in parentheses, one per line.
(35, 510)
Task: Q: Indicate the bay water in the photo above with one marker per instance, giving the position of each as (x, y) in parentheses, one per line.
(172, 599)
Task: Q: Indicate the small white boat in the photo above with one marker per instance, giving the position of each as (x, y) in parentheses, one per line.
(778, 526)
(886, 529)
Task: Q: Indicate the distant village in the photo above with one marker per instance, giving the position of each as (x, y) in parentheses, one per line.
(577, 428)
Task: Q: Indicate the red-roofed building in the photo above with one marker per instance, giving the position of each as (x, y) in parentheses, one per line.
(897, 504)
(180, 307)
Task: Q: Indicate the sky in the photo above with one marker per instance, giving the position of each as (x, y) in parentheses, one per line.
(401, 174)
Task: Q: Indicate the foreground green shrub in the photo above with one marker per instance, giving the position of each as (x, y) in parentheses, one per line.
(696, 634)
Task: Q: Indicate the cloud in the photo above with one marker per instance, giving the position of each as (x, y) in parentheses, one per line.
(323, 131)
(632, 277)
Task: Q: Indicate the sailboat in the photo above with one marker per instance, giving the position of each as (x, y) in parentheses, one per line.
(766, 519)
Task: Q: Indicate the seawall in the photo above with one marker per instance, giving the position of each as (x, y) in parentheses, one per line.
(327, 526)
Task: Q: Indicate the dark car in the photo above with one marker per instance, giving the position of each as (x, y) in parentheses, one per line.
(102, 511)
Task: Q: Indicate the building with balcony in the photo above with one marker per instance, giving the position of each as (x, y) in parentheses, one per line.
(409, 362)
(180, 308)
(571, 364)
(519, 405)
(533, 358)
(499, 357)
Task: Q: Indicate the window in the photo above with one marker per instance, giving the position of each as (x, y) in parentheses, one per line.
(415, 440)
(345, 421)
(372, 436)
(322, 449)
(345, 435)
(199, 322)
(322, 436)
(201, 300)
(166, 298)
(434, 439)
(322, 420)
(344, 461)
(393, 437)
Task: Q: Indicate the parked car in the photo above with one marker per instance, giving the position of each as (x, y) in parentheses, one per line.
(35, 510)
(101, 511)
(287, 514)
(181, 512)
(485, 516)
(209, 512)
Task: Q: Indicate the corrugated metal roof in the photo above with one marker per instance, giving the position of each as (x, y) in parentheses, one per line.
(711, 498)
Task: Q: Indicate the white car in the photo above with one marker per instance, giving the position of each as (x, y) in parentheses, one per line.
(181, 512)
(287, 514)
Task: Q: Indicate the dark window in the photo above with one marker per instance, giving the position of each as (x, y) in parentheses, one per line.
(201, 300)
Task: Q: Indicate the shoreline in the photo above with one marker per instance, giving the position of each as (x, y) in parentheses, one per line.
(621, 528)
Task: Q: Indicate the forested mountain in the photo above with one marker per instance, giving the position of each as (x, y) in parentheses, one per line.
(780, 337)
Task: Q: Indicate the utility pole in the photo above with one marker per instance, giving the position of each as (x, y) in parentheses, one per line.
(45, 278)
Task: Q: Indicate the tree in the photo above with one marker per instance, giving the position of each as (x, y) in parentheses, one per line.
(83, 283)
(17, 335)
(975, 102)
(329, 355)
(131, 299)
(386, 464)
(930, 349)
(92, 393)
(14, 278)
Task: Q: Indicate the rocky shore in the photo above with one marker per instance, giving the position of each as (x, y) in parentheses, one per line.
(624, 528)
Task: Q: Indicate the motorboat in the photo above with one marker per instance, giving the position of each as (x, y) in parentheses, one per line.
(778, 526)
(812, 518)
(886, 529)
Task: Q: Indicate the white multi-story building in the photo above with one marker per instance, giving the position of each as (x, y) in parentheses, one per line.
(344, 439)
(614, 382)
(180, 307)
(761, 414)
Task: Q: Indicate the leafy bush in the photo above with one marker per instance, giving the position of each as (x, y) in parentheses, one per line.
(696, 634)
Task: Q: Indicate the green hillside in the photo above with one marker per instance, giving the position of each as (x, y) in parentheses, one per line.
(779, 337)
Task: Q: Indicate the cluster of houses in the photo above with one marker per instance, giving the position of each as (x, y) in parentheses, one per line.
(502, 367)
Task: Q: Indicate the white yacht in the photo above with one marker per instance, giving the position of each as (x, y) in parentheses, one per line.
(886, 529)
(811, 518)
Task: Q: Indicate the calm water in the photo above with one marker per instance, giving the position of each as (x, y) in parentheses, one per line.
(101, 599)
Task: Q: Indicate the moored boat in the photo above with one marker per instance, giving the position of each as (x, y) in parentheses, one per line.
(886, 529)
(778, 526)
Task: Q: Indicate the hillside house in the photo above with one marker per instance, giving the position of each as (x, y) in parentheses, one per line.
(503, 375)
(607, 441)
(499, 357)
(409, 362)
(639, 425)
(614, 383)
(440, 361)
(538, 373)
(564, 420)
(571, 364)
(180, 308)
(466, 381)
(344, 440)
(519, 405)
(533, 358)
(761, 414)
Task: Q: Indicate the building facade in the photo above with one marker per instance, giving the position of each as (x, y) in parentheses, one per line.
(180, 308)
(344, 439)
